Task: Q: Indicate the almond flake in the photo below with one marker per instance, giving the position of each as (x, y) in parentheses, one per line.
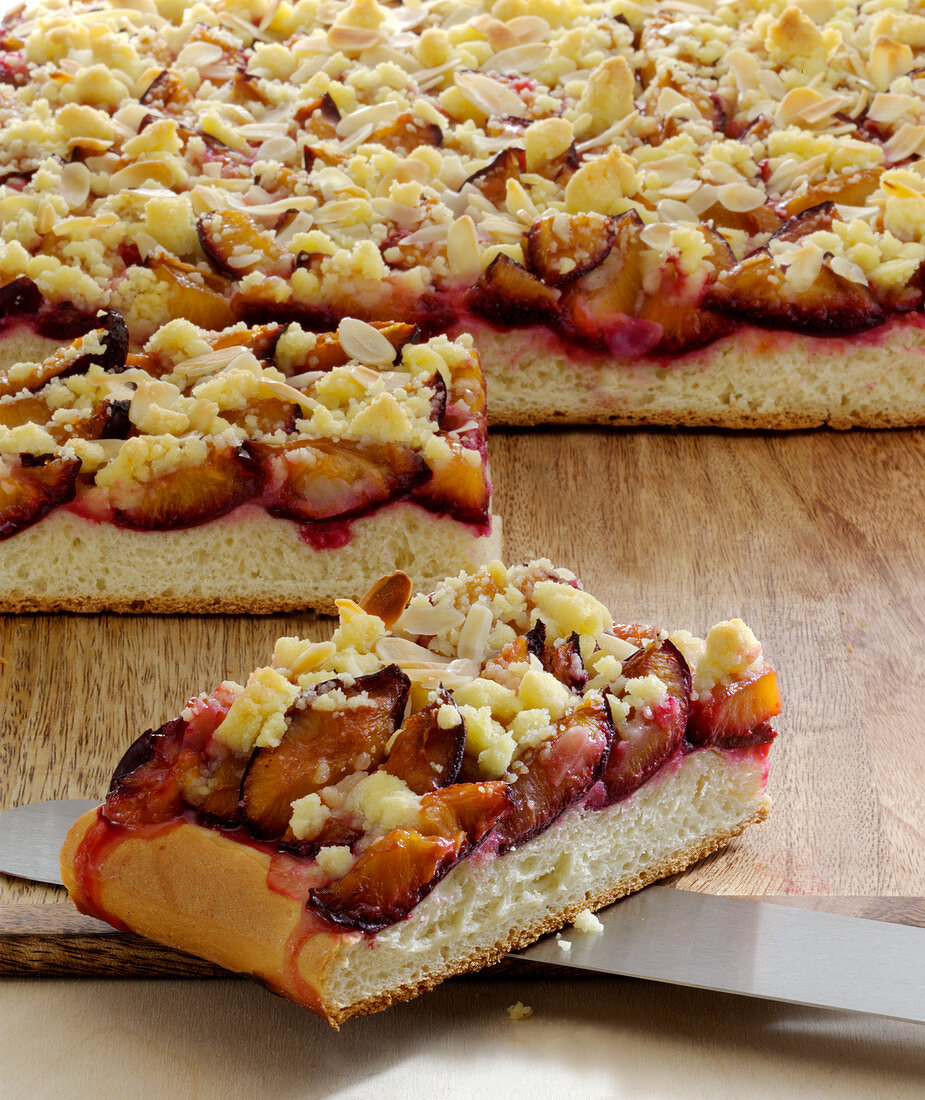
(888, 60)
(409, 654)
(133, 176)
(489, 95)
(421, 618)
(289, 393)
(474, 634)
(462, 249)
(741, 197)
(197, 55)
(848, 270)
(376, 115)
(907, 141)
(364, 343)
(353, 39)
(280, 147)
(521, 59)
(529, 28)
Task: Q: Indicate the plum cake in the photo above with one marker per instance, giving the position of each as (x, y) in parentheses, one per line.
(443, 781)
(646, 211)
(257, 468)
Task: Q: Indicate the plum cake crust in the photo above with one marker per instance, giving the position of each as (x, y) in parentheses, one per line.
(258, 468)
(714, 212)
(446, 779)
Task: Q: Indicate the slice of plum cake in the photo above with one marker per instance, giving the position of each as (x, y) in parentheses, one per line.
(443, 781)
(256, 468)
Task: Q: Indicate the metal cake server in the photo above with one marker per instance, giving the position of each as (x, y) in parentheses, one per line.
(31, 837)
(728, 944)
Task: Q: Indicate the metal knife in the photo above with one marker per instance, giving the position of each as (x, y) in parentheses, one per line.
(727, 944)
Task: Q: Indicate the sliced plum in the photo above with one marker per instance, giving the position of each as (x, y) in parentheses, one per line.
(564, 662)
(736, 714)
(406, 133)
(216, 792)
(322, 479)
(424, 754)
(31, 489)
(387, 881)
(265, 416)
(475, 808)
(327, 352)
(146, 787)
(492, 180)
(848, 189)
(509, 294)
(558, 773)
(756, 291)
(105, 346)
(459, 487)
(675, 304)
(562, 247)
(190, 495)
(167, 92)
(196, 297)
(319, 118)
(651, 734)
(320, 747)
(600, 309)
(261, 340)
(27, 409)
(235, 246)
(20, 297)
(810, 220)
(109, 420)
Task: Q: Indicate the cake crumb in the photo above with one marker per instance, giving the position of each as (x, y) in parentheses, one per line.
(519, 1011)
(588, 924)
(564, 946)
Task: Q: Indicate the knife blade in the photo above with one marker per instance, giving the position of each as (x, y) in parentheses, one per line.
(706, 941)
(754, 949)
(31, 837)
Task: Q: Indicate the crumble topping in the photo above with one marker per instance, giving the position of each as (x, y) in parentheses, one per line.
(335, 424)
(508, 702)
(357, 157)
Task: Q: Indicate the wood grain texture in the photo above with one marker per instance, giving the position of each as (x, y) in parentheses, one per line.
(815, 539)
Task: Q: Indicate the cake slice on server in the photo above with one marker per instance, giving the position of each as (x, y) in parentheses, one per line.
(255, 469)
(443, 781)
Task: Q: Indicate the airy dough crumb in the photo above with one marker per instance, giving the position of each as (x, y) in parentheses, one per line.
(519, 1011)
(588, 924)
(564, 945)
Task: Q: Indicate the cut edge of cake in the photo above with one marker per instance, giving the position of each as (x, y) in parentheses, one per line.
(483, 909)
(751, 379)
(246, 563)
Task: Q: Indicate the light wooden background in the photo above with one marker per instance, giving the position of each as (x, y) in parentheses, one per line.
(816, 539)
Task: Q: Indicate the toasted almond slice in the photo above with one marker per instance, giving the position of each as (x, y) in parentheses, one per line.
(387, 597)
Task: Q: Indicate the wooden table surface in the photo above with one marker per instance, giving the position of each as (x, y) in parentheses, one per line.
(816, 539)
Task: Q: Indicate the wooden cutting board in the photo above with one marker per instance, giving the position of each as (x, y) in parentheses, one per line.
(816, 539)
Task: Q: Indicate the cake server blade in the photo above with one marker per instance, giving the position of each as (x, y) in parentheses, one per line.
(31, 837)
(753, 948)
(725, 944)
